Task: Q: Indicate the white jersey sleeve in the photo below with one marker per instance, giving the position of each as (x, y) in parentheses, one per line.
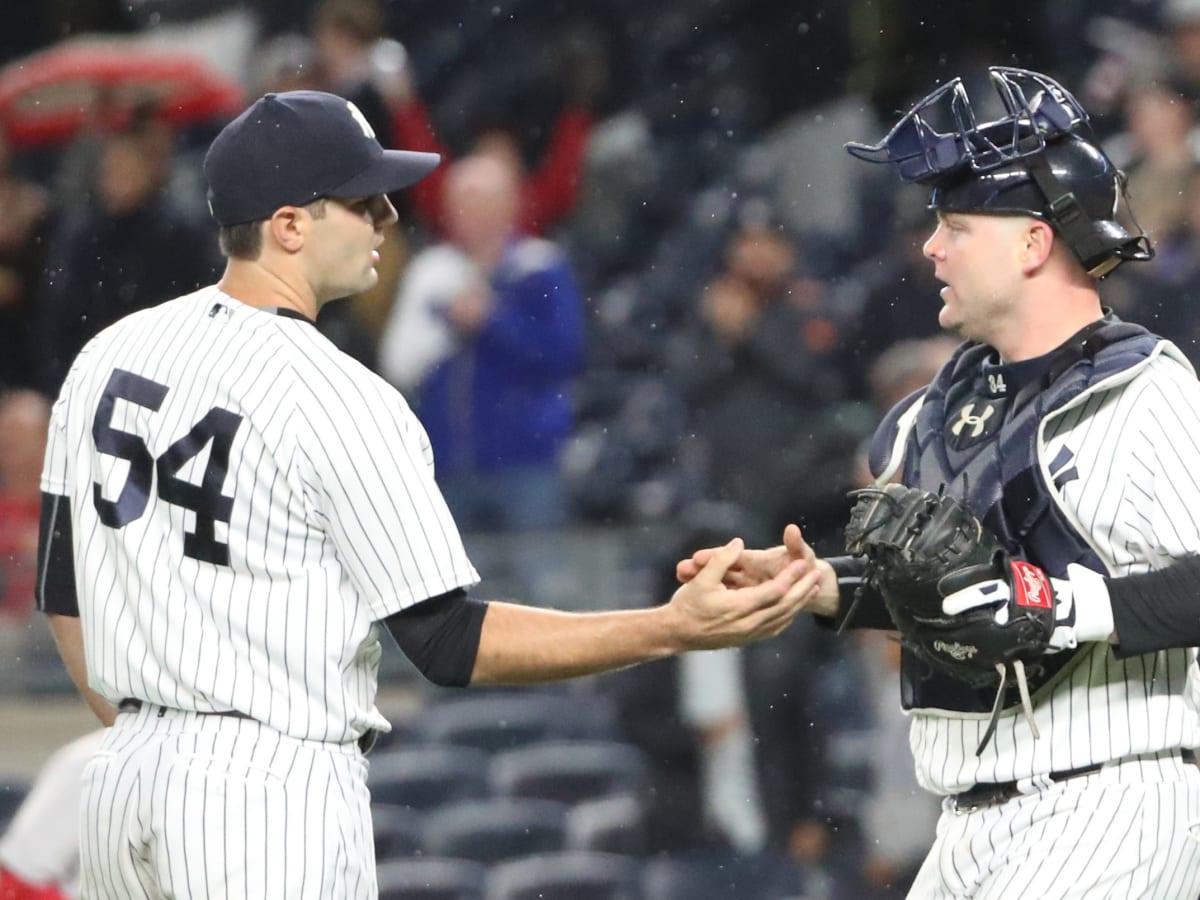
(367, 469)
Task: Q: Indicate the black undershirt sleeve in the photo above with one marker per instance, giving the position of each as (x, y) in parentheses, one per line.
(1157, 610)
(441, 636)
(55, 585)
(870, 611)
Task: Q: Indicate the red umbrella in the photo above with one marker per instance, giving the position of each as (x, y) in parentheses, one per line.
(48, 96)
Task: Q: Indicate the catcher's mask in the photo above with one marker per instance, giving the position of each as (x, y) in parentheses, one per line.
(1032, 161)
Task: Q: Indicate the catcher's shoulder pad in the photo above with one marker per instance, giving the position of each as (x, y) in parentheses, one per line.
(887, 443)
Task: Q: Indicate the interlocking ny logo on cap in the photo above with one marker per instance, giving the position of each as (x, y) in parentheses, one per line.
(358, 117)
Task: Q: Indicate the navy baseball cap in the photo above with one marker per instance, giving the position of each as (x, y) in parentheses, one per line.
(292, 148)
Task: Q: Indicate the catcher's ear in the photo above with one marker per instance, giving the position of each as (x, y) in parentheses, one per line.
(1037, 243)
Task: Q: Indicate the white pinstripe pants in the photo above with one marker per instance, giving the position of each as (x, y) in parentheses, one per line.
(188, 806)
(1131, 830)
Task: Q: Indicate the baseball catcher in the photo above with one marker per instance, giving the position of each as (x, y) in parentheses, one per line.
(959, 599)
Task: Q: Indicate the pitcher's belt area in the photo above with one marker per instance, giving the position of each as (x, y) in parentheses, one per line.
(132, 704)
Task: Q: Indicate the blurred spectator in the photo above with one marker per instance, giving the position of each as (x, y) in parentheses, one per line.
(548, 192)
(344, 34)
(497, 407)
(76, 171)
(23, 227)
(290, 62)
(1166, 296)
(24, 419)
(39, 852)
(1136, 47)
(1160, 152)
(810, 709)
(122, 253)
(649, 716)
(286, 62)
(902, 297)
(765, 395)
(905, 366)
(419, 335)
(689, 714)
(713, 702)
(1182, 20)
(899, 817)
(763, 386)
(1129, 51)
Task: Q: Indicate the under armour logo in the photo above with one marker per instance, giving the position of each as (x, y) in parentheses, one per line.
(967, 417)
(358, 117)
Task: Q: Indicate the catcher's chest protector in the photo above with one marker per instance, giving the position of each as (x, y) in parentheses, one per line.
(978, 436)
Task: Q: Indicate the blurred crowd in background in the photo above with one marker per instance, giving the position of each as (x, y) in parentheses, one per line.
(647, 303)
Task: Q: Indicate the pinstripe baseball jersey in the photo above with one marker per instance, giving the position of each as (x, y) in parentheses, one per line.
(1115, 460)
(257, 501)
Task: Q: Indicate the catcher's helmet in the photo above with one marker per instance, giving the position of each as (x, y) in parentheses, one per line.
(1031, 161)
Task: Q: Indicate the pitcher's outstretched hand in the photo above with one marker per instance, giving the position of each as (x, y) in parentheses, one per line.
(722, 608)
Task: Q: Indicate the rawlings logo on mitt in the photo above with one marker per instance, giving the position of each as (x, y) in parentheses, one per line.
(920, 548)
(957, 652)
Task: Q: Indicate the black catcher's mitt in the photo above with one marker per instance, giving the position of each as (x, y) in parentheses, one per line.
(922, 547)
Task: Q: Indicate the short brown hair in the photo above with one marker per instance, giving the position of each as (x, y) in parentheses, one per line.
(241, 241)
(244, 240)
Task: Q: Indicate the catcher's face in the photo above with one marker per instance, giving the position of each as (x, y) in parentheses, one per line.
(977, 257)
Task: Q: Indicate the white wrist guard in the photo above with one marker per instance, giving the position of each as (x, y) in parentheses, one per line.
(1084, 611)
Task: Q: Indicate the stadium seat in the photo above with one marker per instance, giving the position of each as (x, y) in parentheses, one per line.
(427, 776)
(397, 831)
(496, 829)
(431, 878)
(403, 733)
(503, 721)
(572, 875)
(569, 771)
(721, 877)
(613, 824)
(12, 795)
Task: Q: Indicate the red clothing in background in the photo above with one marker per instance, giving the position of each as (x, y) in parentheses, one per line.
(13, 888)
(547, 194)
(18, 554)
